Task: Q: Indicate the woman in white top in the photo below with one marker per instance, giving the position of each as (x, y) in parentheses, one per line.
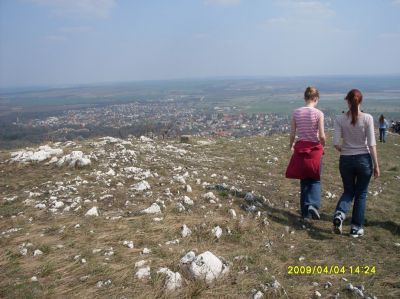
(354, 138)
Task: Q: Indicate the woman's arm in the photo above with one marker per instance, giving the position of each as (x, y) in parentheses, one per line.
(370, 135)
(321, 130)
(292, 133)
(374, 154)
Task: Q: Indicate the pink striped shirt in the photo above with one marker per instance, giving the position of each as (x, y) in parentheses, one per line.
(306, 119)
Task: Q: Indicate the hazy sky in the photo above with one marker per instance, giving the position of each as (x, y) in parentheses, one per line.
(86, 41)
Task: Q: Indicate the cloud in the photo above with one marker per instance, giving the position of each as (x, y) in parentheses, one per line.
(81, 8)
(222, 2)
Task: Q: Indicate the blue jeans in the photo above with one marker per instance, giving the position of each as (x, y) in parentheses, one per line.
(382, 134)
(310, 194)
(356, 172)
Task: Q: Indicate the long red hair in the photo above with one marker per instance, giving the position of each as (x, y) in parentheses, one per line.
(354, 98)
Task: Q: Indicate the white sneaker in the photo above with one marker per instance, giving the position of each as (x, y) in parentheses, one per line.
(313, 212)
(356, 232)
(338, 224)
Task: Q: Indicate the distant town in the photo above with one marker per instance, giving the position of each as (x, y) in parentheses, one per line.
(165, 119)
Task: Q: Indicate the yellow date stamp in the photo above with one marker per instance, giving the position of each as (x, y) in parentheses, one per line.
(331, 270)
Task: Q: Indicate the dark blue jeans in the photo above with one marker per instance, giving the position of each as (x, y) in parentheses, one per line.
(356, 172)
(310, 194)
(382, 134)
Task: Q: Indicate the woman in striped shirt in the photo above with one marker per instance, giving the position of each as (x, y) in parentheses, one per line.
(358, 161)
(308, 124)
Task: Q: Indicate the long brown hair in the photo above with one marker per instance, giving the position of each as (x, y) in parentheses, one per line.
(381, 119)
(354, 98)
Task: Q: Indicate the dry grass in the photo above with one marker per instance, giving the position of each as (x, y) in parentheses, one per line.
(266, 250)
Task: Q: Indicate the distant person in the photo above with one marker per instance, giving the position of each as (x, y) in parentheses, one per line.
(354, 138)
(305, 164)
(383, 125)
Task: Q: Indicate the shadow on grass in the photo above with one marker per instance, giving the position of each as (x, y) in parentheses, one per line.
(293, 220)
(391, 226)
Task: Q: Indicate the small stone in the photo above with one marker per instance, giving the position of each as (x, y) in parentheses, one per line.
(128, 244)
(84, 278)
(153, 209)
(315, 284)
(317, 294)
(143, 273)
(185, 231)
(37, 252)
(350, 287)
(328, 284)
(173, 279)
(92, 212)
(146, 251)
(232, 213)
(276, 284)
(217, 232)
(34, 279)
(302, 258)
(140, 263)
(258, 295)
(187, 201)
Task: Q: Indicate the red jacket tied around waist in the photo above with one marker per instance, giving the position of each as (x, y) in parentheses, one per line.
(306, 161)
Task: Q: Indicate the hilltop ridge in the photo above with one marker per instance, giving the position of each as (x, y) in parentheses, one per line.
(108, 217)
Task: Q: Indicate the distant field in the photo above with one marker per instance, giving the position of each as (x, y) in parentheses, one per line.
(270, 95)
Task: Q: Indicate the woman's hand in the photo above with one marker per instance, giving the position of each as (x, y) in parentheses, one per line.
(338, 148)
(377, 172)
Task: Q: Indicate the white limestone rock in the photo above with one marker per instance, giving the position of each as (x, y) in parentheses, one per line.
(42, 153)
(37, 252)
(217, 232)
(143, 273)
(141, 186)
(140, 263)
(146, 251)
(205, 266)
(75, 159)
(210, 196)
(180, 207)
(185, 231)
(232, 212)
(92, 212)
(187, 201)
(145, 139)
(258, 295)
(34, 279)
(40, 206)
(58, 204)
(153, 209)
(128, 244)
(188, 189)
(173, 280)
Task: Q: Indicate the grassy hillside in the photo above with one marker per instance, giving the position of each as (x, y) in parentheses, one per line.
(78, 251)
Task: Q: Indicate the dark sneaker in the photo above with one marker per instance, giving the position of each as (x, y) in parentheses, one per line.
(356, 232)
(313, 212)
(337, 224)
